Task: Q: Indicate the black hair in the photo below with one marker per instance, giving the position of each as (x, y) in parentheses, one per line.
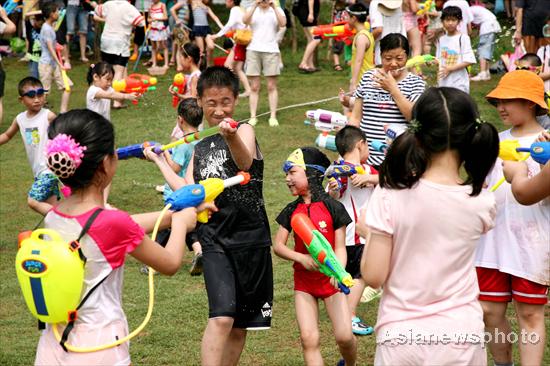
(394, 40)
(99, 69)
(218, 76)
(359, 11)
(227, 43)
(447, 119)
(346, 139)
(48, 9)
(532, 58)
(28, 81)
(237, 2)
(314, 156)
(189, 110)
(91, 130)
(193, 51)
(451, 12)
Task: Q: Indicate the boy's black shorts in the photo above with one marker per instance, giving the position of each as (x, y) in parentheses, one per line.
(353, 265)
(114, 59)
(338, 47)
(239, 284)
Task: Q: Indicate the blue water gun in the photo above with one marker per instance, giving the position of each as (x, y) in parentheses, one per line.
(540, 151)
(11, 5)
(343, 169)
(134, 151)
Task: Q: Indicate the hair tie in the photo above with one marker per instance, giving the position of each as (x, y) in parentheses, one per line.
(479, 122)
(64, 155)
(414, 126)
(92, 65)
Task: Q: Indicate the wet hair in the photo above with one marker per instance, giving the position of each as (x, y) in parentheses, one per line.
(314, 176)
(91, 130)
(189, 110)
(99, 69)
(48, 9)
(359, 11)
(446, 119)
(28, 81)
(451, 12)
(218, 77)
(394, 40)
(237, 2)
(193, 51)
(346, 139)
(532, 58)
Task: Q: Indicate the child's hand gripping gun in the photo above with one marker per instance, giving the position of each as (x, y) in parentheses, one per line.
(135, 84)
(178, 86)
(425, 7)
(58, 49)
(508, 150)
(540, 151)
(341, 31)
(134, 151)
(206, 191)
(321, 251)
(336, 171)
(420, 60)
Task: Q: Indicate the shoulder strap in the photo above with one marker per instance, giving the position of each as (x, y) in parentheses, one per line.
(76, 243)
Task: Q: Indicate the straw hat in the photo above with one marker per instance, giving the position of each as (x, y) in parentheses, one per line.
(389, 7)
(520, 84)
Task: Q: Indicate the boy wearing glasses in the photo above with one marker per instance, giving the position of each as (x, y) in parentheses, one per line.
(33, 125)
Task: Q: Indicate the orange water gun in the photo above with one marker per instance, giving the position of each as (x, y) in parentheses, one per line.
(136, 84)
(341, 31)
(178, 86)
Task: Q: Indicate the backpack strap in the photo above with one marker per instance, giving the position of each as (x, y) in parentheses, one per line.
(75, 244)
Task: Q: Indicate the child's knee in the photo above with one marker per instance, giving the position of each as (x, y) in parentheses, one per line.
(530, 314)
(493, 312)
(310, 339)
(345, 339)
(222, 322)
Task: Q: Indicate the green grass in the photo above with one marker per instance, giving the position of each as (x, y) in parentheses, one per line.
(181, 309)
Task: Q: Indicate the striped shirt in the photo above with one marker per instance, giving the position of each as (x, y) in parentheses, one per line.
(379, 108)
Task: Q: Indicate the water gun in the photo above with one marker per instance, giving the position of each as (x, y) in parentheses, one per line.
(425, 7)
(380, 146)
(178, 85)
(419, 60)
(343, 169)
(508, 150)
(11, 5)
(324, 120)
(206, 190)
(66, 84)
(340, 31)
(326, 141)
(135, 84)
(540, 151)
(321, 251)
(59, 20)
(134, 151)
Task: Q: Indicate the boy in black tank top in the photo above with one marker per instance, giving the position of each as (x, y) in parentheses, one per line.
(236, 240)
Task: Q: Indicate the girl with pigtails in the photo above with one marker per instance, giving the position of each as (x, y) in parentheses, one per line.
(82, 155)
(425, 219)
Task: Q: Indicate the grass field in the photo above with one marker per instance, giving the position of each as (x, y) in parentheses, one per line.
(181, 309)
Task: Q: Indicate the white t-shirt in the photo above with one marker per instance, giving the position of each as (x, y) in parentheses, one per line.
(264, 27)
(99, 105)
(34, 132)
(120, 18)
(486, 20)
(389, 24)
(520, 242)
(466, 13)
(432, 284)
(452, 50)
(544, 54)
(234, 22)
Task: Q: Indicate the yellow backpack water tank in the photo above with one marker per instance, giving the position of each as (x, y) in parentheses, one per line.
(51, 274)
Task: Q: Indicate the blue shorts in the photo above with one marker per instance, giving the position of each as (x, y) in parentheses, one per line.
(74, 12)
(45, 185)
(486, 46)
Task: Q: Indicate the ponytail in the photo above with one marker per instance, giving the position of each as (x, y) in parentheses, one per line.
(100, 69)
(480, 156)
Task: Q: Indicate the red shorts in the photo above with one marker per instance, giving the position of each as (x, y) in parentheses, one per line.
(313, 283)
(239, 52)
(498, 286)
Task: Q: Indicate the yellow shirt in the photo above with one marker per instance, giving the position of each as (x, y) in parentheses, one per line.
(368, 60)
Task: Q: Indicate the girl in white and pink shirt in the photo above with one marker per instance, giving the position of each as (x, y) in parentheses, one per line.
(88, 139)
(425, 221)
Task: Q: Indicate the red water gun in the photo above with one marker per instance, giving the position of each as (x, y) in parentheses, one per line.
(178, 86)
(340, 31)
(136, 84)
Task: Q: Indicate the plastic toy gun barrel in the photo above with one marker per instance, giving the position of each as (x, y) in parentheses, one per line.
(321, 251)
(134, 151)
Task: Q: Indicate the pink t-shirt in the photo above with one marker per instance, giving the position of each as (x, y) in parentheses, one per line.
(432, 286)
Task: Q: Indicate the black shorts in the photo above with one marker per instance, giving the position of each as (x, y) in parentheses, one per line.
(533, 23)
(114, 59)
(239, 284)
(338, 47)
(303, 11)
(164, 235)
(61, 33)
(2, 80)
(353, 265)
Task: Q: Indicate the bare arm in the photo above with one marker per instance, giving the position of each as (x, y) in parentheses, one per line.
(111, 94)
(362, 43)
(215, 18)
(51, 49)
(174, 181)
(527, 191)
(387, 82)
(147, 220)
(51, 116)
(247, 17)
(282, 251)
(9, 133)
(173, 12)
(10, 26)
(377, 32)
(375, 263)
(241, 142)
(519, 25)
(340, 245)
(189, 172)
(356, 113)
(281, 19)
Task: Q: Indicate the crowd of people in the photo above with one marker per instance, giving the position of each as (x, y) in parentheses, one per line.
(427, 227)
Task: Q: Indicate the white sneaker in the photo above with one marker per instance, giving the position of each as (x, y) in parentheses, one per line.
(370, 294)
(482, 76)
(253, 121)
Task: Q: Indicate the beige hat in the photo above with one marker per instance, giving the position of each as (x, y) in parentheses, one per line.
(389, 7)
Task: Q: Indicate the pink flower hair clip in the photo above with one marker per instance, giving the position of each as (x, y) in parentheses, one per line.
(64, 155)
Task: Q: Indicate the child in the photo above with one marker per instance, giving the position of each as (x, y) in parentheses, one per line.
(424, 221)
(354, 192)
(100, 92)
(362, 56)
(200, 23)
(512, 259)
(236, 240)
(32, 30)
(88, 140)
(454, 52)
(305, 169)
(189, 57)
(339, 14)
(174, 166)
(50, 65)
(33, 125)
(180, 34)
(488, 28)
(158, 31)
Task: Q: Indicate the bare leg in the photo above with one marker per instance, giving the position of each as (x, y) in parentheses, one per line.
(254, 94)
(415, 40)
(154, 53)
(530, 44)
(338, 312)
(1, 110)
(494, 316)
(64, 101)
(531, 322)
(234, 347)
(165, 52)
(120, 73)
(214, 340)
(82, 42)
(273, 95)
(355, 295)
(307, 59)
(242, 77)
(307, 315)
